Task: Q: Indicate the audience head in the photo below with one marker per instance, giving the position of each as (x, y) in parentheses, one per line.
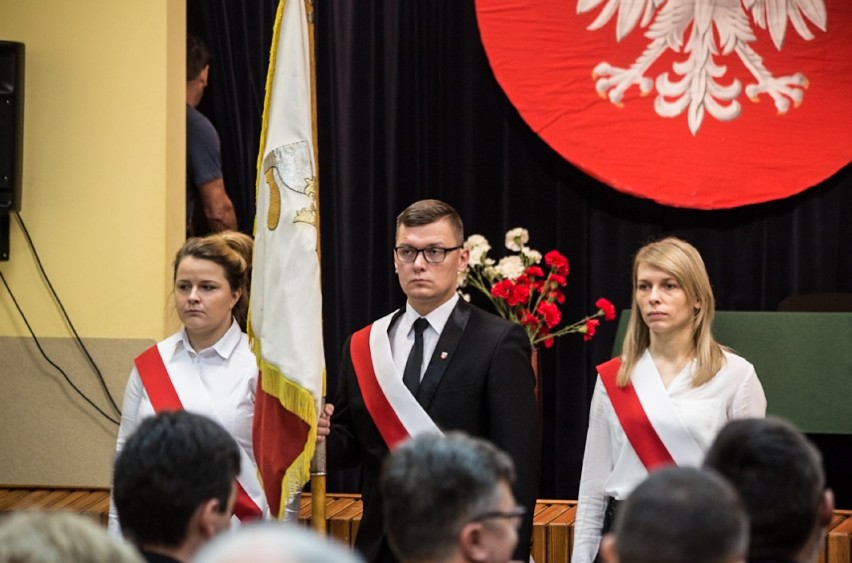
(682, 262)
(173, 483)
(275, 542)
(60, 537)
(679, 514)
(449, 497)
(779, 476)
(227, 257)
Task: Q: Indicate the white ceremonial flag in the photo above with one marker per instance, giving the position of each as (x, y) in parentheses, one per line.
(285, 311)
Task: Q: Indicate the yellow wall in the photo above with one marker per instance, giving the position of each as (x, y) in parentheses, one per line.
(103, 199)
(103, 164)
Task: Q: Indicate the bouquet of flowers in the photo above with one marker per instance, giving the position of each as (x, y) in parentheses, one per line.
(526, 292)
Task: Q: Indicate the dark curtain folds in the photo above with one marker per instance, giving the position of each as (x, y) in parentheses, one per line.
(409, 109)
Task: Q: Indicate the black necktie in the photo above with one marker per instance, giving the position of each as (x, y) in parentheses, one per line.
(411, 375)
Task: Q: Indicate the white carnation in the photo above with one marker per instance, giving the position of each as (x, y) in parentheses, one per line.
(478, 247)
(475, 240)
(461, 278)
(517, 238)
(510, 267)
(533, 256)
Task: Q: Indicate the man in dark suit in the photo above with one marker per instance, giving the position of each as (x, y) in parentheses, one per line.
(460, 369)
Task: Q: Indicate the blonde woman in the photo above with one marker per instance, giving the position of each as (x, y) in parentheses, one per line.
(663, 401)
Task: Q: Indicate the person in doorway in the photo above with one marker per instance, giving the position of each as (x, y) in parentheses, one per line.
(208, 207)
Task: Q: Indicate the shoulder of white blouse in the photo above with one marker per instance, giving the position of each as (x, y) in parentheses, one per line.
(737, 365)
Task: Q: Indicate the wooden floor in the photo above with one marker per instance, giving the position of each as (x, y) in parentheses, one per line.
(92, 502)
(553, 523)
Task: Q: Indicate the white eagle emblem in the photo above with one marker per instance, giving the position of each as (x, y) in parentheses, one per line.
(697, 85)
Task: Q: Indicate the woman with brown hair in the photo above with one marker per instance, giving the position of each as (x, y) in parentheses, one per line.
(207, 367)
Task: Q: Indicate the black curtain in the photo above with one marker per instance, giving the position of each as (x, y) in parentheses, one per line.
(409, 108)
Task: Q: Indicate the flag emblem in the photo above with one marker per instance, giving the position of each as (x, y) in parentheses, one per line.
(290, 166)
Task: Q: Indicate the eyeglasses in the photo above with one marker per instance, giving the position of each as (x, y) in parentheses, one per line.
(432, 254)
(515, 515)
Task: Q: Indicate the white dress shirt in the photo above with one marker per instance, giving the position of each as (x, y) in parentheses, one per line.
(402, 333)
(227, 371)
(611, 468)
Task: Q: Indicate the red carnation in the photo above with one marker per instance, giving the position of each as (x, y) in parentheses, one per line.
(591, 327)
(520, 294)
(559, 279)
(550, 313)
(502, 289)
(534, 271)
(607, 307)
(555, 260)
(528, 319)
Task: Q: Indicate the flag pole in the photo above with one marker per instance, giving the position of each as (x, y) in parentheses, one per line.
(318, 464)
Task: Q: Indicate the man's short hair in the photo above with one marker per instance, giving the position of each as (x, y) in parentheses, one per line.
(681, 514)
(779, 476)
(172, 464)
(49, 537)
(197, 57)
(433, 485)
(274, 542)
(428, 211)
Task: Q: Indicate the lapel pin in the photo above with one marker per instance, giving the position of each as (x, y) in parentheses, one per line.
(444, 355)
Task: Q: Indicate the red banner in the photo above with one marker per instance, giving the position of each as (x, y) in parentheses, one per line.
(704, 104)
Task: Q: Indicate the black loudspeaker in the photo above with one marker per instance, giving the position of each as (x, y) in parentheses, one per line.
(11, 124)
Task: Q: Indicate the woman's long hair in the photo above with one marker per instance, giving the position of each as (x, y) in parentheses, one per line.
(684, 263)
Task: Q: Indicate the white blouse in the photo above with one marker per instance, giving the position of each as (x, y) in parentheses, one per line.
(611, 468)
(227, 371)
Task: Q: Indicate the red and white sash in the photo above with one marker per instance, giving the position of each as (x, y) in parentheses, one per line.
(165, 393)
(648, 418)
(394, 410)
